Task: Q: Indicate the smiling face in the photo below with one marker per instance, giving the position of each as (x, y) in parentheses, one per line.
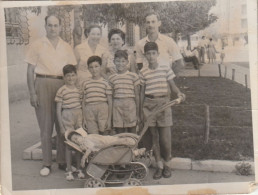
(152, 24)
(94, 69)
(116, 41)
(70, 78)
(95, 35)
(121, 64)
(52, 27)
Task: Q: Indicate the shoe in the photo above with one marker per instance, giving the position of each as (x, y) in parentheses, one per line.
(45, 171)
(166, 172)
(62, 166)
(69, 176)
(81, 175)
(157, 174)
(73, 169)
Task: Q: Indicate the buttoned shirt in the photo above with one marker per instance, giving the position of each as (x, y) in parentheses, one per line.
(47, 59)
(168, 50)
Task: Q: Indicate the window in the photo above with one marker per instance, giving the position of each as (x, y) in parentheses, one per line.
(243, 9)
(244, 23)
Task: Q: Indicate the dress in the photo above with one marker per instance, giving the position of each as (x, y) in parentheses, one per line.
(49, 61)
(211, 51)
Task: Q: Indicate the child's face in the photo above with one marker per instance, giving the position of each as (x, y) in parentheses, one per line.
(94, 69)
(152, 56)
(70, 78)
(121, 64)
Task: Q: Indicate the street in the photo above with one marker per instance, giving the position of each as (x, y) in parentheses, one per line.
(25, 133)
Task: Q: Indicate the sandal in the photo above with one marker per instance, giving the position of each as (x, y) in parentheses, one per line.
(69, 176)
(81, 175)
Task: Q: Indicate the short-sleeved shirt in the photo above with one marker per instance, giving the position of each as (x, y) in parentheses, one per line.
(156, 81)
(83, 52)
(70, 98)
(47, 59)
(96, 90)
(123, 84)
(168, 50)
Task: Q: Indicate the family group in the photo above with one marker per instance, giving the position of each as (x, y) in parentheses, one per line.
(105, 91)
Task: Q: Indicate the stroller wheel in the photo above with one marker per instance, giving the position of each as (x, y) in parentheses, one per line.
(132, 182)
(140, 171)
(94, 183)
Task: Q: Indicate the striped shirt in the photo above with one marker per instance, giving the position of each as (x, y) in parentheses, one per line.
(156, 80)
(70, 98)
(123, 84)
(96, 90)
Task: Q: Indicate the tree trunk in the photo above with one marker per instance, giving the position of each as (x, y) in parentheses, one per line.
(188, 40)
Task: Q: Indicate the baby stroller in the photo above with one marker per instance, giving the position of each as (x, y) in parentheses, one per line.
(115, 164)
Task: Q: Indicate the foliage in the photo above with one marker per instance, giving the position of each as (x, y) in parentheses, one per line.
(243, 168)
(184, 17)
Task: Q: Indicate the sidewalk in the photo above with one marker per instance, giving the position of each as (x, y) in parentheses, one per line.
(25, 133)
(241, 73)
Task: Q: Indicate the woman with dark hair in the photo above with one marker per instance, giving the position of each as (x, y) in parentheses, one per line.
(89, 47)
(116, 39)
(211, 51)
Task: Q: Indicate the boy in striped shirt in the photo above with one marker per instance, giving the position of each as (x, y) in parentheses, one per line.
(97, 100)
(125, 95)
(69, 114)
(155, 80)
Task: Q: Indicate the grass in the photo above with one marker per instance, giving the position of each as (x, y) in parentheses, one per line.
(230, 136)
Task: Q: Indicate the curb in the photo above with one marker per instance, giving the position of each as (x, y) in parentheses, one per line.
(226, 166)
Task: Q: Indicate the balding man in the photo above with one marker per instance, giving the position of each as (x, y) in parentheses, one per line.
(46, 58)
(169, 52)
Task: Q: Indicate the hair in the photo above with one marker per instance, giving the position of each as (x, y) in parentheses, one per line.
(116, 31)
(121, 54)
(210, 39)
(87, 30)
(94, 59)
(150, 46)
(46, 18)
(69, 69)
(203, 37)
(152, 13)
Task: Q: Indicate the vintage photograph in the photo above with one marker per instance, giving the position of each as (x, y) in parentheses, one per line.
(129, 94)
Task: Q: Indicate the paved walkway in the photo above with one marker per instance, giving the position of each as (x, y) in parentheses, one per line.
(241, 73)
(25, 133)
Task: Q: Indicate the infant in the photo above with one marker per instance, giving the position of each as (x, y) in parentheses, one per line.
(94, 142)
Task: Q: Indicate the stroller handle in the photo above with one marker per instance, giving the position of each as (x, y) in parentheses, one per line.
(160, 109)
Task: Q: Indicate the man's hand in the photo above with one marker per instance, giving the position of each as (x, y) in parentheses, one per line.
(181, 96)
(34, 100)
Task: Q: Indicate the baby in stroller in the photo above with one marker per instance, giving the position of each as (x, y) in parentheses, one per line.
(89, 143)
(107, 152)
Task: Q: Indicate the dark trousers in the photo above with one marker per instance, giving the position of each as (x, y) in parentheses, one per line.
(192, 59)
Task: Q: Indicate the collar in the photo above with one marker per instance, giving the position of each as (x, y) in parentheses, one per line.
(160, 38)
(46, 40)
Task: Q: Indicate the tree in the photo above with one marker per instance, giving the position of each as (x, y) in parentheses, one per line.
(177, 17)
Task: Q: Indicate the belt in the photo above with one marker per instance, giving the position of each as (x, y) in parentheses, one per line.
(154, 97)
(49, 76)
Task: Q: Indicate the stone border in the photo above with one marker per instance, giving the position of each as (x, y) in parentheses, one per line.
(35, 153)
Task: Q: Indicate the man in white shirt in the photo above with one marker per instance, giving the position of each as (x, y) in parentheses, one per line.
(169, 52)
(189, 56)
(46, 58)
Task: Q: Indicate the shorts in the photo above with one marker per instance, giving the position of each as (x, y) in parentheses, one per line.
(72, 118)
(162, 119)
(96, 116)
(124, 112)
